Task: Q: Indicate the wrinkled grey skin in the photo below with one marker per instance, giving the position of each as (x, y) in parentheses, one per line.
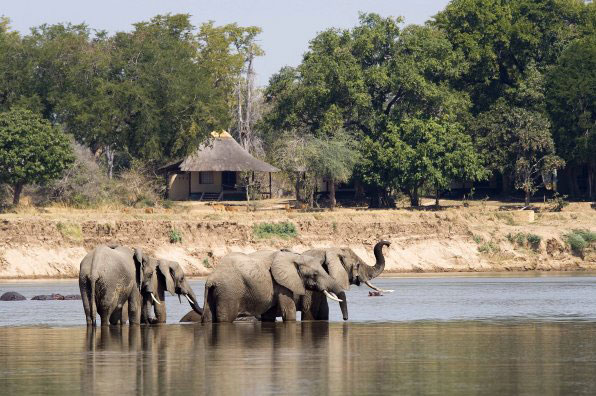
(347, 269)
(244, 284)
(160, 276)
(109, 279)
(117, 282)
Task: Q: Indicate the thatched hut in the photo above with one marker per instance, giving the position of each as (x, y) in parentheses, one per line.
(211, 173)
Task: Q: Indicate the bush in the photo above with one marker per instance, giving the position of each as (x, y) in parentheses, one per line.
(578, 240)
(175, 236)
(557, 203)
(70, 231)
(269, 230)
(83, 185)
(489, 247)
(534, 240)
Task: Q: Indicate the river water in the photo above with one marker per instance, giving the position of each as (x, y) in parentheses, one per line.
(456, 335)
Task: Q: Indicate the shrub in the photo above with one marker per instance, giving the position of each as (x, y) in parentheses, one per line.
(269, 230)
(478, 239)
(175, 236)
(82, 185)
(489, 247)
(206, 263)
(70, 231)
(578, 240)
(534, 240)
(557, 203)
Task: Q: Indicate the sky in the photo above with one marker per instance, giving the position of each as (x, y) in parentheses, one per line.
(287, 25)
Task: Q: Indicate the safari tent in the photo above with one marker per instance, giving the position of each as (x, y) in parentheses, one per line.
(211, 172)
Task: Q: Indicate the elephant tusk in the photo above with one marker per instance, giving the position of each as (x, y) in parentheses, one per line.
(155, 299)
(367, 283)
(179, 300)
(191, 302)
(332, 296)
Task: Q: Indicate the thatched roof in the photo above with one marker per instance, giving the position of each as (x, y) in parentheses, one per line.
(221, 153)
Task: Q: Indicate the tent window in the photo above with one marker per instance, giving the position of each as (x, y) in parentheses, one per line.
(205, 177)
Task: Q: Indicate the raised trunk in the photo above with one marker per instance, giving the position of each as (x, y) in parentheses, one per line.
(18, 189)
(332, 201)
(371, 272)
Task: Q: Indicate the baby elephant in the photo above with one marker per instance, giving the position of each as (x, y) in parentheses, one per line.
(244, 285)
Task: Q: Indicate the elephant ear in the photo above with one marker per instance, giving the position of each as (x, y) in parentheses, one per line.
(164, 268)
(139, 264)
(336, 269)
(284, 270)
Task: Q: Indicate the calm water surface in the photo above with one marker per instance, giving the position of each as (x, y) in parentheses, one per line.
(432, 336)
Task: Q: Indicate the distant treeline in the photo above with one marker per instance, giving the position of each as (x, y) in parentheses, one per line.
(485, 87)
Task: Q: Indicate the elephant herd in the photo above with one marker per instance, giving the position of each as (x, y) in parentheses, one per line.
(121, 284)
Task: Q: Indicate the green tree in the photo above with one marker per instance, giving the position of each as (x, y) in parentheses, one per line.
(571, 100)
(518, 141)
(31, 150)
(368, 80)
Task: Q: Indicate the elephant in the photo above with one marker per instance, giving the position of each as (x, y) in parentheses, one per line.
(120, 284)
(347, 269)
(159, 276)
(244, 284)
(110, 278)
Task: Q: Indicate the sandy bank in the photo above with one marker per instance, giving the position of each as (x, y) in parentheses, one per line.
(51, 243)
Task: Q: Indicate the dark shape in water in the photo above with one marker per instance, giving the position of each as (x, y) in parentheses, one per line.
(56, 296)
(375, 294)
(12, 296)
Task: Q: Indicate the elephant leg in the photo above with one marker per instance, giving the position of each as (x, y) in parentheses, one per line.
(83, 287)
(124, 314)
(287, 307)
(134, 308)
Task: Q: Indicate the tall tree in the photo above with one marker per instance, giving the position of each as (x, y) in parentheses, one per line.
(571, 102)
(368, 80)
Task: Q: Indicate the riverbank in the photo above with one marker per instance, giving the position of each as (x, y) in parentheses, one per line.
(50, 242)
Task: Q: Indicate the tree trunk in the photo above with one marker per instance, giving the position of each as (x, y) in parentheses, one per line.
(18, 189)
(527, 202)
(332, 201)
(414, 198)
(297, 186)
(437, 191)
(110, 160)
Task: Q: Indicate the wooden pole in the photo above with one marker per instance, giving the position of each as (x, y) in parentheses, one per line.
(270, 189)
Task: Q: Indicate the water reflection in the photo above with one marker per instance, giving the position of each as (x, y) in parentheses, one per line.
(302, 358)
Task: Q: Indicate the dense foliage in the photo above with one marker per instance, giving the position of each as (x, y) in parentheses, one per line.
(31, 150)
(486, 88)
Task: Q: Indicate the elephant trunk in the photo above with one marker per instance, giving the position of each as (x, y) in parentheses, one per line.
(192, 299)
(343, 305)
(371, 272)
